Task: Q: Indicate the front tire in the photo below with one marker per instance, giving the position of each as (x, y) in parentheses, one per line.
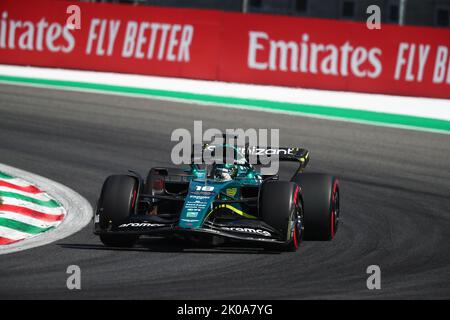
(280, 206)
(321, 204)
(116, 204)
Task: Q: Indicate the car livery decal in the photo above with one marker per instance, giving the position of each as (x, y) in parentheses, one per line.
(248, 230)
(198, 202)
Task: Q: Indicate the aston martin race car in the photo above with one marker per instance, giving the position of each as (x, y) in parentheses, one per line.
(221, 202)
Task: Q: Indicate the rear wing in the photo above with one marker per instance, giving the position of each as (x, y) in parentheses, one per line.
(299, 155)
(257, 155)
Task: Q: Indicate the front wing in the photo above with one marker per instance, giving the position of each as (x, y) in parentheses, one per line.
(242, 229)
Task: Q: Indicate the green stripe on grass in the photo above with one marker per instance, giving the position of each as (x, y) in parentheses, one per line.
(306, 109)
(23, 227)
(50, 203)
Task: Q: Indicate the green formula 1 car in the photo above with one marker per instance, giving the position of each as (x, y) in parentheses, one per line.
(220, 202)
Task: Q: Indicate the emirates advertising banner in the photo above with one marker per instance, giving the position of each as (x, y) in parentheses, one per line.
(110, 37)
(336, 55)
(215, 45)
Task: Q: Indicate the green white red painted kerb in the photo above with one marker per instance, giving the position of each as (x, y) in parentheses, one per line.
(25, 210)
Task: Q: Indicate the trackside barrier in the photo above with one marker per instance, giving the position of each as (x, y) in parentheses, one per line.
(215, 45)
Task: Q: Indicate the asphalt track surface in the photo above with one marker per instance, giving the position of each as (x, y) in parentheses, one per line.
(395, 189)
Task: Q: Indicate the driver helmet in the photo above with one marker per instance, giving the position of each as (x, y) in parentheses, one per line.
(225, 172)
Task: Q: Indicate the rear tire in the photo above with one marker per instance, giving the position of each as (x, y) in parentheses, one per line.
(321, 204)
(116, 204)
(281, 207)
